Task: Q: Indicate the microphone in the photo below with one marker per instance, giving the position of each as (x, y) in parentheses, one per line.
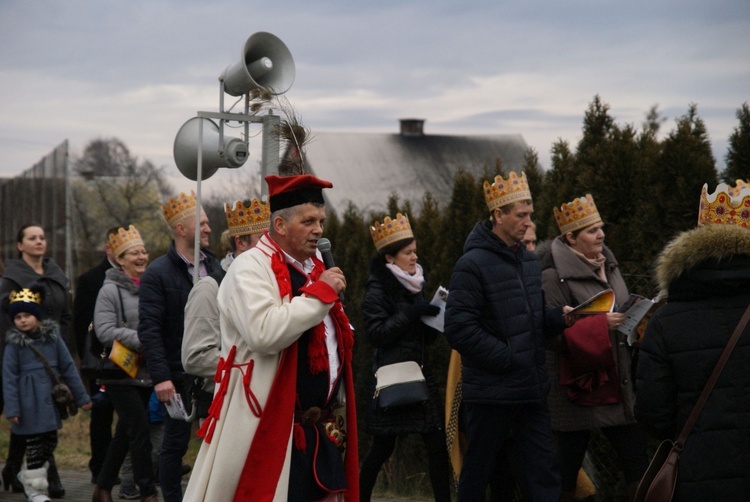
(324, 246)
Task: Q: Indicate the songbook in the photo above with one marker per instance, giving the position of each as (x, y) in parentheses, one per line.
(439, 299)
(637, 310)
(125, 358)
(601, 303)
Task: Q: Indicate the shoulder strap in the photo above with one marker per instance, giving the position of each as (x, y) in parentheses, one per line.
(122, 307)
(50, 371)
(713, 378)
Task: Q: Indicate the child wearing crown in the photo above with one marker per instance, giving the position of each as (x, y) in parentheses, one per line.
(27, 387)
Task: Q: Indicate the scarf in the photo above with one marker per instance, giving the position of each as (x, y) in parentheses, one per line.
(595, 264)
(412, 283)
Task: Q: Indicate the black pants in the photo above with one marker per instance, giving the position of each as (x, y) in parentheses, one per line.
(132, 434)
(487, 429)
(628, 441)
(100, 428)
(437, 456)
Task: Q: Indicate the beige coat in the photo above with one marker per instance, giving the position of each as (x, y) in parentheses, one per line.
(261, 325)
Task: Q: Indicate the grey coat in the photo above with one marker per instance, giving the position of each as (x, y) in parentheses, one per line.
(567, 280)
(116, 321)
(26, 384)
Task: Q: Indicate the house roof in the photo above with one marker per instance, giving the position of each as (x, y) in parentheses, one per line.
(366, 168)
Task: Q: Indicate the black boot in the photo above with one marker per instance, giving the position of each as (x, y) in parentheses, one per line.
(16, 451)
(55, 489)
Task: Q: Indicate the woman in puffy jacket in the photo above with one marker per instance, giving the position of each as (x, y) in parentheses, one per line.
(705, 275)
(116, 319)
(393, 306)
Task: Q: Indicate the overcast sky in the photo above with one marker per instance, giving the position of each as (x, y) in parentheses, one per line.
(137, 69)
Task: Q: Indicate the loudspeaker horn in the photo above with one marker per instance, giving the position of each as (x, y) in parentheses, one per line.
(186, 150)
(265, 63)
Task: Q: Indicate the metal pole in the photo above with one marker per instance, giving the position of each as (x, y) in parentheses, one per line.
(199, 175)
(270, 152)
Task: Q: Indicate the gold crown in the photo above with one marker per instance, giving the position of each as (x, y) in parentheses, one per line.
(245, 220)
(502, 192)
(578, 214)
(392, 230)
(124, 239)
(723, 207)
(25, 295)
(178, 208)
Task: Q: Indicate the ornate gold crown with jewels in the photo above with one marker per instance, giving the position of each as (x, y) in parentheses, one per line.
(580, 213)
(245, 220)
(180, 207)
(503, 192)
(25, 295)
(124, 239)
(726, 205)
(392, 230)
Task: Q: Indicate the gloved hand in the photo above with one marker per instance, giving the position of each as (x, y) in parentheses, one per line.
(421, 308)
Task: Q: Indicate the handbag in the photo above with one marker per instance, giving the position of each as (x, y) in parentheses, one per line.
(61, 394)
(399, 384)
(658, 482)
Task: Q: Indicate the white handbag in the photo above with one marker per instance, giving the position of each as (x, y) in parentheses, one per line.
(400, 384)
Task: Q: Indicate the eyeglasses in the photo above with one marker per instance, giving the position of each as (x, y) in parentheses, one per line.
(136, 253)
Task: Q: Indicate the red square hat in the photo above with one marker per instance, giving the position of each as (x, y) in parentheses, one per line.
(288, 191)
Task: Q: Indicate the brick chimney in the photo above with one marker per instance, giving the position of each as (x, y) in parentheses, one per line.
(412, 127)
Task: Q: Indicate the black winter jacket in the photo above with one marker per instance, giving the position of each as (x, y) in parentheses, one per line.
(163, 293)
(706, 274)
(397, 339)
(497, 321)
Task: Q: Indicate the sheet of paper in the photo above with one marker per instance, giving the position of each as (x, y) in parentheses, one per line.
(633, 317)
(176, 409)
(440, 299)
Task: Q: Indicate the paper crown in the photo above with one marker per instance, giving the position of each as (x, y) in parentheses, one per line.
(728, 205)
(288, 191)
(180, 207)
(578, 214)
(245, 220)
(25, 295)
(502, 192)
(124, 239)
(392, 230)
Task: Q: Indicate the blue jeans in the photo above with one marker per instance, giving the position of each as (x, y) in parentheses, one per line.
(487, 429)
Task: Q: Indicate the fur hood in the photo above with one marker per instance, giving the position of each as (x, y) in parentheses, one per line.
(715, 243)
(50, 333)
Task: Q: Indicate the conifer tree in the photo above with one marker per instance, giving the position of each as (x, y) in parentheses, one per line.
(686, 163)
(559, 187)
(738, 154)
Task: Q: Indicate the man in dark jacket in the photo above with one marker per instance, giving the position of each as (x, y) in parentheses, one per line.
(88, 285)
(496, 320)
(164, 290)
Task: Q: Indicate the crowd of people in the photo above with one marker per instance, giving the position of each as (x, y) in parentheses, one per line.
(258, 348)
